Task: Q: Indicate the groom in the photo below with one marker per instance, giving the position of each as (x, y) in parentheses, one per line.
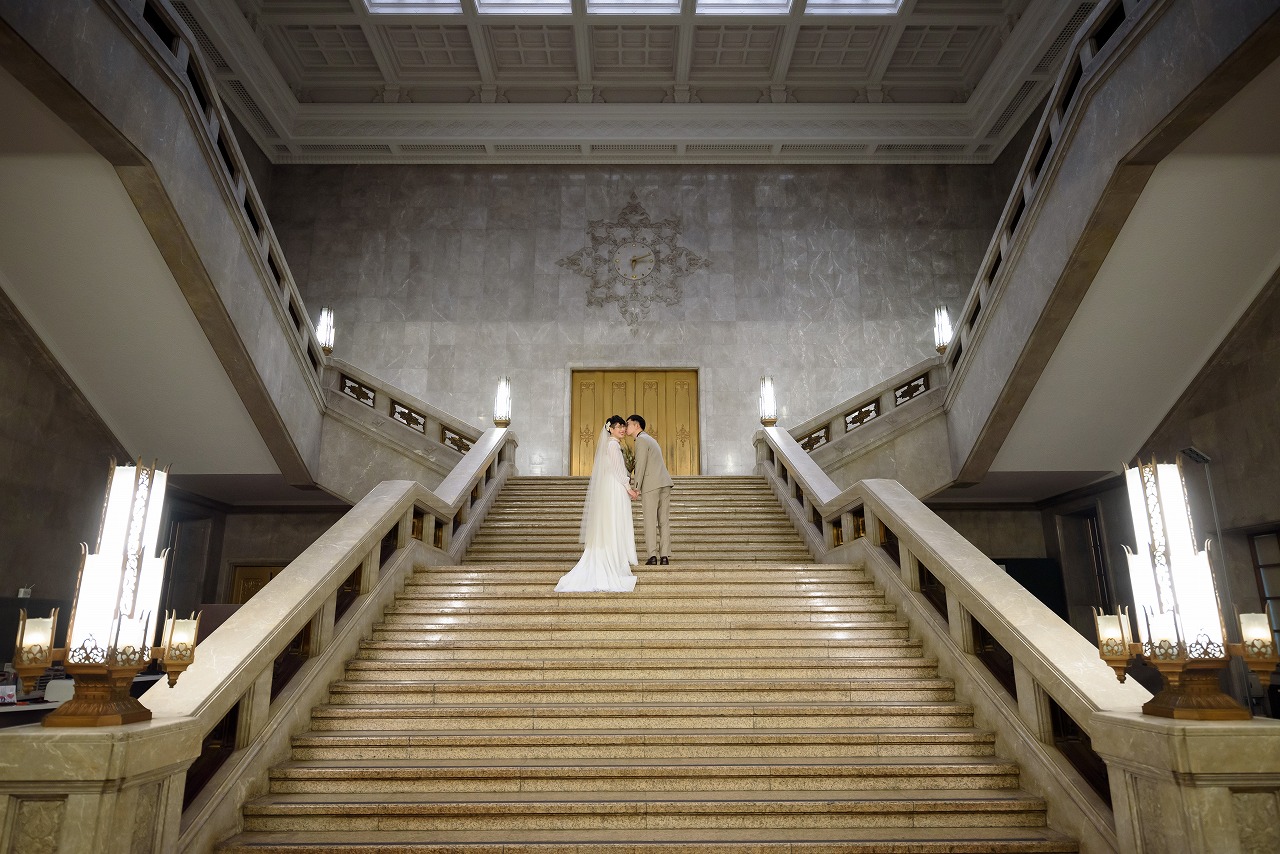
(653, 488)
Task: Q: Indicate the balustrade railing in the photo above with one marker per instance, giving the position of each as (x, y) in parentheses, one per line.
(844, 420)
(258, 675)
(172, 47)
(398, 407)
(1015, 658)
(1094, 47)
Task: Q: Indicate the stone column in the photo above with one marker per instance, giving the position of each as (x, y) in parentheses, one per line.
(1191, 787)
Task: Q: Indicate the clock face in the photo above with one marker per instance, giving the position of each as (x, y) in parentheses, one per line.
(633, 260)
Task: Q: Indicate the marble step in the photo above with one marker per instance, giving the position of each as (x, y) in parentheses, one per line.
(801, 570)
(646, 744)
(754, 840)
(629, 608)
(653, 649)
(615, 616)
(361, 812)
(402, 776)
(845, 632)
(646, 715)
(569, 555)
(501, 531)
(402, 691)
(505, 670)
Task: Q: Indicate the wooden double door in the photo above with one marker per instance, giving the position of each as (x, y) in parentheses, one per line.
(668, 401)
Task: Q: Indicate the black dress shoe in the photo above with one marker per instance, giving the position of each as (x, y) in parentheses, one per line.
(653, 561)
(665, 561)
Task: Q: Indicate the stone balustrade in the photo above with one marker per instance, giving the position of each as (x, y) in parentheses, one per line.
(178, 782)
(894, 430)
(1115, 779)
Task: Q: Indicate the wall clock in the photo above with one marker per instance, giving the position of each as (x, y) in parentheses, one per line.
(633, 260)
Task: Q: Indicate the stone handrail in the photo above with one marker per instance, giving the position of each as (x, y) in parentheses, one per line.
(1094, 46)
(374, 432)
(171, 45)
(1053, 664)
(398, 526)
(342, 380)
(255, 678)
(842, 422)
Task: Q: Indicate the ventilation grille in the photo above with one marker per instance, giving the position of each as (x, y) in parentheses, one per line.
(728, 148)
(348, 149)
(425, 148)
(282, 149)
(625, 148)
(1049, 61)
(921, 148)
(827, 148)
(210, 52)
(514, 148)
(246, 101)
(1015, 103)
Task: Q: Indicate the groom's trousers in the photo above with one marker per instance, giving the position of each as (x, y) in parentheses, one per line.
(656, 505)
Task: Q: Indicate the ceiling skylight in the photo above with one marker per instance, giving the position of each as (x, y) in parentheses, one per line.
(633, 7)
(414, 7)
(742, 7)
(524, 7)
(852, 7)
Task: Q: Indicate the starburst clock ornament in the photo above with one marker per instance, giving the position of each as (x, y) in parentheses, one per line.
(634, 262)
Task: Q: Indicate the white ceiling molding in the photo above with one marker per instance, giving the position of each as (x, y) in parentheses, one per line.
(328, 81)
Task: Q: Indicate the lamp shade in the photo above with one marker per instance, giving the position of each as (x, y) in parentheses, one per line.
(502, 403)
(325, 329)
(119, 586)
(768, 402)
(941, 328)
(1172, 583)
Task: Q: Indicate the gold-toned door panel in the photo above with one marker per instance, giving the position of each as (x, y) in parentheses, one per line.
(668, 400)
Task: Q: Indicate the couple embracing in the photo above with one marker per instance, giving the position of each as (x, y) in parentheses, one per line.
(608, 532)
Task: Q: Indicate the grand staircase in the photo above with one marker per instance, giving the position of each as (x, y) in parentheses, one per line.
(744, 699)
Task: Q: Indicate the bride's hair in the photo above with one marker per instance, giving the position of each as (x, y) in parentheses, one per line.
(615, 420)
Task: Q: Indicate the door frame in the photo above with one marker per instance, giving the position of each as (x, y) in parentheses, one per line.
(567, 421)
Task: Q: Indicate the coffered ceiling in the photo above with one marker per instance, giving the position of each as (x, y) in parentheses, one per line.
(617, 81)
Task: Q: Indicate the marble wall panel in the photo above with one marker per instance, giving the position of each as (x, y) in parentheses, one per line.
(443, 279)
(266, 538)
(54, 456)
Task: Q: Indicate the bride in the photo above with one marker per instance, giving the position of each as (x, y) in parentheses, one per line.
(607, 528)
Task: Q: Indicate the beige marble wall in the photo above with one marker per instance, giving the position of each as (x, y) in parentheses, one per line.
(444, 279)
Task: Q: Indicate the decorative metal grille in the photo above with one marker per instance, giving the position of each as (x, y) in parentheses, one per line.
(862, 415)
(357, 390)
(816, 439)
(459, 443)
(408, 417)
(913, 389)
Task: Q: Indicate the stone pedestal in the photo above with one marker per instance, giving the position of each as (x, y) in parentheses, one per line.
(108, 790)
(1184, 787)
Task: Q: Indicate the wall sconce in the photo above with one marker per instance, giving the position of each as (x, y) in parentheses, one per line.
(941, 329)
(108, 640)
(502, 404)
(768, 403)
(1180, 626)
(324, 330)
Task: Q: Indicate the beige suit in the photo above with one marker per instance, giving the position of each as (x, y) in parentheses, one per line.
(654, 483)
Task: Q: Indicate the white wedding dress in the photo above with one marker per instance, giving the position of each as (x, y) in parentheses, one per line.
(608, 531)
